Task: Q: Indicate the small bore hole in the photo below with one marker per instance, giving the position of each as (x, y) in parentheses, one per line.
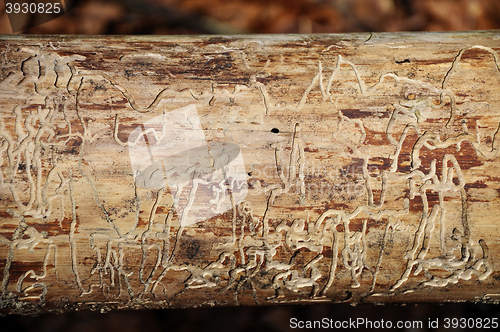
(275, 130)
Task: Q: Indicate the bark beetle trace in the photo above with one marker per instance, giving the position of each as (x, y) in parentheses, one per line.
(364, 180)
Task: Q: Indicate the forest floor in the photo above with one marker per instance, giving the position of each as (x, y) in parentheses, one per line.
(168, 17)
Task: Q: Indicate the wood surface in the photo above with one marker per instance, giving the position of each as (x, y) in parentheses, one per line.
(155, 172)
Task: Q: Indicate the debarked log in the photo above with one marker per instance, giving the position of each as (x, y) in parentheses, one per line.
(155, 172)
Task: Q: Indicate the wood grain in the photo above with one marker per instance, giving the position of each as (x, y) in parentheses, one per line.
(147, 172)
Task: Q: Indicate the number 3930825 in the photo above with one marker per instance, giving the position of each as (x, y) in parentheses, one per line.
(33, 8)
(478, 323)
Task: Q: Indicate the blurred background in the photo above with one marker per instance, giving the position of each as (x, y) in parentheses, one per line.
(263, 16)
(253, 16)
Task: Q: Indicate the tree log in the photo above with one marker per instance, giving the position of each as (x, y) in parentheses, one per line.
(158, 172)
